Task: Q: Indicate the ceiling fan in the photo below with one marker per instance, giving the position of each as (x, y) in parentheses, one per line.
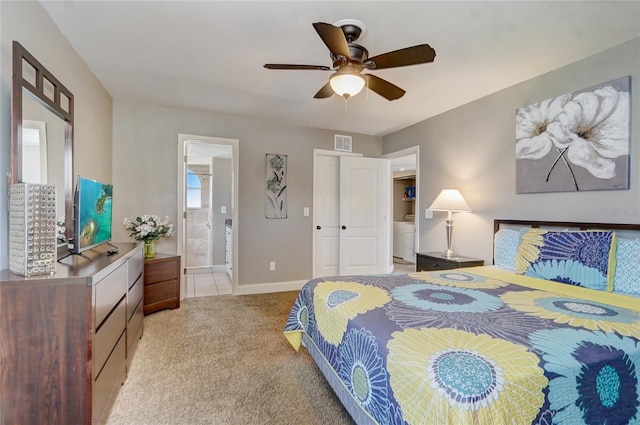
(350, 59)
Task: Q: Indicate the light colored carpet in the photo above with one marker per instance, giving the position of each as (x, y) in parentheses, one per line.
(224, 360)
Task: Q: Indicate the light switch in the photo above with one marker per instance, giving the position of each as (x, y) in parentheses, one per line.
(223, 210)
(428, 213)
(306, 211)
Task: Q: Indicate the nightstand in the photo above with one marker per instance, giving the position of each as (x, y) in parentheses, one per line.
(427, 261)
(161, 283)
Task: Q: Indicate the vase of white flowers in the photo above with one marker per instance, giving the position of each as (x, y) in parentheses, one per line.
(148, 229)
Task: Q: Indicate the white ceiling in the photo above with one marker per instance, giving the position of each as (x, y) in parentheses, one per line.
(208, 55)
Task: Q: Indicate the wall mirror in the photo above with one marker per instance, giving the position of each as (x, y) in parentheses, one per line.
(42, 131)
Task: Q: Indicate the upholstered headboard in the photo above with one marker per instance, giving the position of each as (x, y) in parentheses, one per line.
(619, 227)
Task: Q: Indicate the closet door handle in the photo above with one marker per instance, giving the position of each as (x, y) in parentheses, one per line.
(318, 227)
(344, 227)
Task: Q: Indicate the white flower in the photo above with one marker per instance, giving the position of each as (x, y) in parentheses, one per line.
(533, 141)
(594, 128)
(148, 227)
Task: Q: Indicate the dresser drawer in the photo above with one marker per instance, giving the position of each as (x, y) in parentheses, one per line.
(430, 264)
(161, 271)
(107, 336)
(108, 292)
(134, 296)
(161, 291)
(112, 375)
(134, 332)
(135, 269)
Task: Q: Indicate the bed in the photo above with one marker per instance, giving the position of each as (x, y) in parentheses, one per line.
(549, 334)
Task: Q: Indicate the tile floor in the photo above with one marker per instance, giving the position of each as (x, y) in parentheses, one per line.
(401, 266)
(207, 283)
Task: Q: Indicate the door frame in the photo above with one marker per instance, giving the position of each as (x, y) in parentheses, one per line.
(183, 139)
(398, 154)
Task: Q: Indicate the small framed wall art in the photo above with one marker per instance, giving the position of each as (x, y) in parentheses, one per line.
(276, 186)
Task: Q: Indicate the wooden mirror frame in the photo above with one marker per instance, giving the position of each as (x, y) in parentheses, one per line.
(56, 105)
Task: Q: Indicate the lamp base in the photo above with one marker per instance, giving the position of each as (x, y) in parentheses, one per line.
(448, 254)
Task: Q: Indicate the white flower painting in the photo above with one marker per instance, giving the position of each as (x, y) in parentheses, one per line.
(575, 142)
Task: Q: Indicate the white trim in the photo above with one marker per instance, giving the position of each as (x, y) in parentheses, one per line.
(269, 287)
(404, 152)
(234, 143)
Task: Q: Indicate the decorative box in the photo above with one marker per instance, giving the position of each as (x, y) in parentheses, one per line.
(32, 229)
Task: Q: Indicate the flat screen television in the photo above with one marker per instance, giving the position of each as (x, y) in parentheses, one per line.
(91, 214)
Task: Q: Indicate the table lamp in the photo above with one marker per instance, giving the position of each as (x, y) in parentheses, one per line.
(450, 200)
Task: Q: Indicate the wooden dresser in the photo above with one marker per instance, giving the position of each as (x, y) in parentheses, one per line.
(68, 339)
(161, 282)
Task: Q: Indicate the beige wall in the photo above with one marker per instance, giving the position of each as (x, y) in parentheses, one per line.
(145, 167)
(472, 148)
(28, 23)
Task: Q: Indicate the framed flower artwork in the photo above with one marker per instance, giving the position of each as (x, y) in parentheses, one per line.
(276, 186)
(575, 142)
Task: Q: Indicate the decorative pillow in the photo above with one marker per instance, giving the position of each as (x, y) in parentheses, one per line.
(505, 248)
(581, 258)
(627, 277)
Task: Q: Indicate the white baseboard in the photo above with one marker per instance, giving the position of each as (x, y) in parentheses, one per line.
(270, 287)
(219, 268)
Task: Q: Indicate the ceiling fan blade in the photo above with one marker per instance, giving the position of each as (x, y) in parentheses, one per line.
(334, 38)
(297, 67)
(324, 92)
(421, 53)
(384, 88)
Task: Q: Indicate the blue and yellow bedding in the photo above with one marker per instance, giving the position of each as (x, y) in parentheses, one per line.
(472, 346)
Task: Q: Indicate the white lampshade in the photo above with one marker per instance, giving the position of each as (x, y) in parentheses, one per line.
(450, 200)
(346, 84)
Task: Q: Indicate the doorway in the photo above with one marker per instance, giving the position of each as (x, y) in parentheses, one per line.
(207, 196)
(405, 211)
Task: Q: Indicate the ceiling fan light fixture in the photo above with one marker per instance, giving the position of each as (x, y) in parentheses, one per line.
(347, 84)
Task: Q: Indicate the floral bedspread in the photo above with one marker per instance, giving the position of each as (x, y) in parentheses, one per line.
(463, 347)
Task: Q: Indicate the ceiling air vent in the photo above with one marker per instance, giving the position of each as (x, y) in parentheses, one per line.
(342, 143)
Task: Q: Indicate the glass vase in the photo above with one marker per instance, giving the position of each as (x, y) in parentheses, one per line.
(149, 249)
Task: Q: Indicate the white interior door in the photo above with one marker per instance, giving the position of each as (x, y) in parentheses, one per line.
(326, 215)
(364, 216)
(353, 192)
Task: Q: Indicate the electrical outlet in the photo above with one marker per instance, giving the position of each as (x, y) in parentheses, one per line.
(272, 265)
(223, 210)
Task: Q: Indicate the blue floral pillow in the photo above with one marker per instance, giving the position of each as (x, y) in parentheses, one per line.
(581, 258)
(505, 248)
(627, 277)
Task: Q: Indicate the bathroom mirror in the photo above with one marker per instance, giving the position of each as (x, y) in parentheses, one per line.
(42, 131)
